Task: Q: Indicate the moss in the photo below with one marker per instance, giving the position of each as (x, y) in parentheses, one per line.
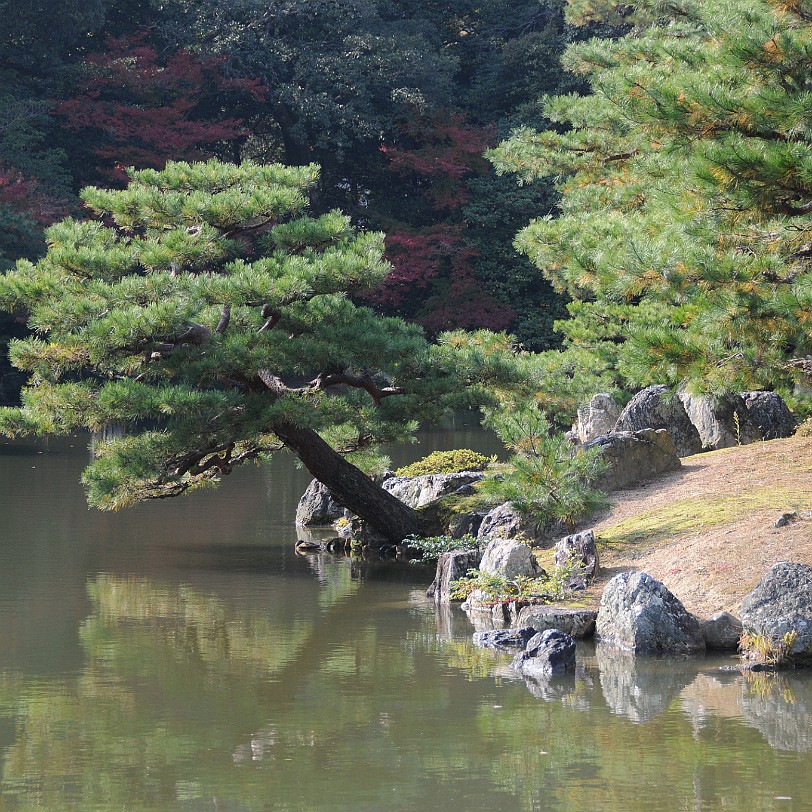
(690, 515)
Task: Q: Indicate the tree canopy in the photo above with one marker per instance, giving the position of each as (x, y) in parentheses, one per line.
(208, 317)
(686, 208)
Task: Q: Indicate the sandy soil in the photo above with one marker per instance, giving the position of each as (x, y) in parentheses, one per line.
(708, 531)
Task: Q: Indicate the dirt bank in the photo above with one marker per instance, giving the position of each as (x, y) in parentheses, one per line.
(708, 531)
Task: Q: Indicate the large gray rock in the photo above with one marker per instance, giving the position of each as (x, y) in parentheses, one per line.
(577, 623)
(596, 417)
(770, 414)
(450, 567)
(505, 522)
(638, 613)
(579, 552)
(465, 524)
(418, 491)
(504, 638)
(781, 604)
(317, 506)
(547, 653)
(634, 456)
(722, 421)
(656, 407)
(721, 632)
(508, 558)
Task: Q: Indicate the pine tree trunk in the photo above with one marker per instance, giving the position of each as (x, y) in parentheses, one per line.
(351, 486)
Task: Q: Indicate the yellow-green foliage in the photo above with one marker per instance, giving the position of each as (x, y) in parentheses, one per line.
(805, 429)
(689, 515)
(447, 462)
(764, 649)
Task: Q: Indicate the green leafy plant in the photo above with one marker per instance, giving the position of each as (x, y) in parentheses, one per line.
(545, 477)
(447, 462)
(495, 589)
(431, 548)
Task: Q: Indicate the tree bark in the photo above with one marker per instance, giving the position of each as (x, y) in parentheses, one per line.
(351, 486)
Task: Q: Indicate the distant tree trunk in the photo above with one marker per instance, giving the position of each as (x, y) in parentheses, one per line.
(351, 486)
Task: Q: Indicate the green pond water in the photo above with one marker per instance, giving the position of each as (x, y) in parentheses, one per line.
(181, 656)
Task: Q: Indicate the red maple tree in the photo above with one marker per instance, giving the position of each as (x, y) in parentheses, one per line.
(143, 110)
(434, 280)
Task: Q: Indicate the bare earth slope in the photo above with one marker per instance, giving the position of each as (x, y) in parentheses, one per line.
(708, 530)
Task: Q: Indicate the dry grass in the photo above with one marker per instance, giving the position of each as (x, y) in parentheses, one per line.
(708, 530)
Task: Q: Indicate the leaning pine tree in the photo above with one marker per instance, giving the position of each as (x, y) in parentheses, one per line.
(207, 315)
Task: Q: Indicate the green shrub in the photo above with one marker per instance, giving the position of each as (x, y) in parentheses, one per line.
(525, 590)
(447, 462)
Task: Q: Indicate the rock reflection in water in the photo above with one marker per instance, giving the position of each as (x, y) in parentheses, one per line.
(640, 688)
(779, 706)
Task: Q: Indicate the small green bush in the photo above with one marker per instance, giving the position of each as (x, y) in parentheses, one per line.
(447, 462)
(524, 590)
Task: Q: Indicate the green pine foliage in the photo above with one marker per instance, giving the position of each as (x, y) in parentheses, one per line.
(545, 477)
(684, 224)
(204, 308)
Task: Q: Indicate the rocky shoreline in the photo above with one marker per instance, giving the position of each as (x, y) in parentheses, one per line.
(637, 613)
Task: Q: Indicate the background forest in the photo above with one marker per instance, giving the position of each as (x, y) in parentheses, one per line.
(396, 100)
(661, 153)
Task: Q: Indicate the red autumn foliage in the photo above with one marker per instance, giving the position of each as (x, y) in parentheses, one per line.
(433, 276)
(24, 196)
(445, 151)
(433, 280)
(144, 110)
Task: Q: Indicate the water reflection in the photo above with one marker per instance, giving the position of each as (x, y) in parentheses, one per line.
(184, 657)
(641, 688)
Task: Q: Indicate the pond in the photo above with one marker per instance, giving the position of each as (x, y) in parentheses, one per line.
(182, 656)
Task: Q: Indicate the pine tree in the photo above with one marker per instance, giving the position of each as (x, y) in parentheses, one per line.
(205, 315)
(687, 196)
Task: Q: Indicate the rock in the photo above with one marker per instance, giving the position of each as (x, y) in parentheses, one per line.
(638, 613)
(785, 518)
(781, 604)
(656, 407)
(578, 551)
(721, 632)
(508, 558)
(596, 417)
(634, 456)
(770, 414)
(505, 638)
(317, 506)
(577, 623)
(549, 652)
(450, 567)
(640, 688)
(722, 422)
(505, 522)
(418, 491)
(465, 524)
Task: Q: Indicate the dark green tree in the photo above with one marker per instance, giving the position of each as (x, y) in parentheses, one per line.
(687, 202)
(206, 315)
